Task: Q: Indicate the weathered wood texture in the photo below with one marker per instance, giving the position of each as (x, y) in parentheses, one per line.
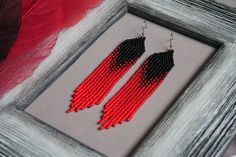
(70, 45)
(206, 20)
(202, 121)
(22, 135)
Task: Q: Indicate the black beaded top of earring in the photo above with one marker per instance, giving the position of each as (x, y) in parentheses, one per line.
(157, 66)
(128, 52)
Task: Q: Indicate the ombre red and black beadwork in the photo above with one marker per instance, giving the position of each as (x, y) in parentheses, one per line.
(123, 106)
(98, 84)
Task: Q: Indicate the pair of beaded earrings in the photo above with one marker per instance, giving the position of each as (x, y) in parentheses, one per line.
(126, 102)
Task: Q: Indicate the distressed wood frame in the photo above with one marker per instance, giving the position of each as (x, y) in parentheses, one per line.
(201, 122)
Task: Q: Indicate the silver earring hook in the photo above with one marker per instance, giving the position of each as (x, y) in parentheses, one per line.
(144, 27)
(171, 39)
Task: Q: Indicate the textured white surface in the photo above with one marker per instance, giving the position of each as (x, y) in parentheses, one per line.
(231, 3)
(23, 135)
(232, 148)
(118, 142)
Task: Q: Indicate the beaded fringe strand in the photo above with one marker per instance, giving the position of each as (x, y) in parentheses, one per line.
(123, 106)
(98, 84)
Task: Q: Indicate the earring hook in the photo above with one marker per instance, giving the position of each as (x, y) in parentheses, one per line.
(171, 45)
(144, 27)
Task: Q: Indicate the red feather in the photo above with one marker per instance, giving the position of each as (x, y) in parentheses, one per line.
(41, 20)
(10, 20)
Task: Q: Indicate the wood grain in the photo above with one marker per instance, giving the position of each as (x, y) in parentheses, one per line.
(70, 45)
(200, 123)
(22, 135)
(204, 20)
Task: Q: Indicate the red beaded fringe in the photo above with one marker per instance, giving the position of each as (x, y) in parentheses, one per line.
(123, 106)
(98, 84)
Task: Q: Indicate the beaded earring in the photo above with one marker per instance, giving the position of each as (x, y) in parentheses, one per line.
(100, 82)
(123, 106)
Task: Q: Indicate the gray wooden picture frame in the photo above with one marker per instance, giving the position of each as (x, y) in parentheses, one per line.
(200, 122)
